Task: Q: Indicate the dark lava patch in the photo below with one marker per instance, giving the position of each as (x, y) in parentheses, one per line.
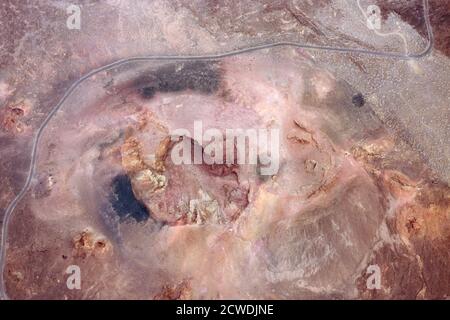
(199, 76)
(125, 203)
(358, 100)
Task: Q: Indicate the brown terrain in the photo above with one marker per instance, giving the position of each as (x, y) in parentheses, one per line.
(413, 14)
(364, 172)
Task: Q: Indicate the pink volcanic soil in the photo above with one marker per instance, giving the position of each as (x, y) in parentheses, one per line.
(347, 195)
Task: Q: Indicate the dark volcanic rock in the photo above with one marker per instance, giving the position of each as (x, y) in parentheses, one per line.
(125, 203)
